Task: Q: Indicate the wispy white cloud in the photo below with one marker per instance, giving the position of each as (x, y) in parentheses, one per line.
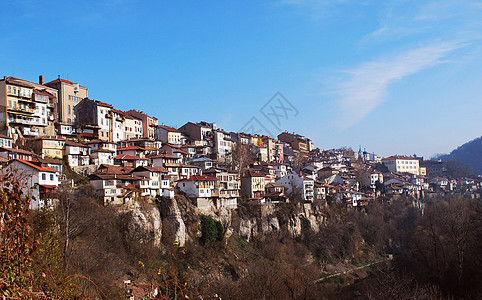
(366, 86)
(446, 18)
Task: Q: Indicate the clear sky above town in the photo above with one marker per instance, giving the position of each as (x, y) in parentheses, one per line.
(396, 77)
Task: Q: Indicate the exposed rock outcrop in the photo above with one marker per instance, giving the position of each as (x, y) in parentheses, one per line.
(145, 224)
(172, 221)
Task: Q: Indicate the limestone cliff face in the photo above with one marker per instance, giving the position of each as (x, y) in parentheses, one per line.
(172, 221)
(145, 224)
(177, 220)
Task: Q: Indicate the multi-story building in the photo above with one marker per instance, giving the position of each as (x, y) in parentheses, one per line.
(402, 164)
(223, 145)
(374, 177)
(117, 125)
(106, 123)
(27, 109)
(200, 133)
(38, 182)
(252, 184)
(50, 146)
(6, 141)
(102, 152)
(227, 188)
(77, 154)
(200, 189)
(149, 124)
(160, 184)
(69, 96)
(297, 142)
(298, 186)
(168, 135)
(433, 168)
(132, 127)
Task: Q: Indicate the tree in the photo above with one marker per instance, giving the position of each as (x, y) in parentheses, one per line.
(241, 157)
(16, 244)
(458, 169)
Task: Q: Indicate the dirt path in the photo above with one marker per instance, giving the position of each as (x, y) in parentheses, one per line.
(352, 270)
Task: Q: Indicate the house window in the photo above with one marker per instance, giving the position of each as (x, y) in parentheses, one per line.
(51, 177)
(68, 109)
(9, 89)
(43, 176)
(9, 102)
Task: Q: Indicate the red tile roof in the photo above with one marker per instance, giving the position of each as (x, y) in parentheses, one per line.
(128, 157)
(399, 157)
(131, 148)
(199, 178)
(167, 128)
(60, 80)
(250, 173)
(75, 144)
(35, 166)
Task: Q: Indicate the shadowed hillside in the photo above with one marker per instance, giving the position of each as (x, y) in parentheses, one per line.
(470, 153)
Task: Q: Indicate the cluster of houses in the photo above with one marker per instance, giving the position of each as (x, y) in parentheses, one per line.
(49, 130)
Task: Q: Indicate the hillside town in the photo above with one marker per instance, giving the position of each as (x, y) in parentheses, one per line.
(58, 136)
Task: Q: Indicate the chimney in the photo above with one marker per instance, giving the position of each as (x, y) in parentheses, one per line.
(41, 79)
(59, 76)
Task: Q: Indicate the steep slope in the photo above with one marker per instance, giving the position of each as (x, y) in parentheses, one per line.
(470, 153)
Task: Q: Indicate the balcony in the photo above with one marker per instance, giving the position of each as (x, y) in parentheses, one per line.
(30, 131)
(18, 110)
(34, 122)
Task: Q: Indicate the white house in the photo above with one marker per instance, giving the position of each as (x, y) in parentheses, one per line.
(102, 156)
(298, 184)
(77, 154)
(39, 183)
(160, 185)
(200, 189)
(374, 177)
(168, 135)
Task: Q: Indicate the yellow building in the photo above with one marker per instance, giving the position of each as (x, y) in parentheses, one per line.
(49, 146)
(252, 184)
(27, 109)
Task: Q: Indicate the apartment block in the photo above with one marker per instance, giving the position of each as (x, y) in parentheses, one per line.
(69, 95)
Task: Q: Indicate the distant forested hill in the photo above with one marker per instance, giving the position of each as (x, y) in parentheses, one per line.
(469, 153)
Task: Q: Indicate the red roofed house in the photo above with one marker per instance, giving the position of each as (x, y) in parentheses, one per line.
(100, 119)
(160, 184)
(77, 154)
(119, 189)
(102, 152)
(200, 189)
(132, 127)
(252, 184)
(132, 150)
(402, 164)
(168, 135)
(149, 124)
(39, 182)
(11, 153)
(127, 160)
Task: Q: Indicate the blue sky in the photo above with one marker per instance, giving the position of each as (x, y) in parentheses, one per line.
(397, 77)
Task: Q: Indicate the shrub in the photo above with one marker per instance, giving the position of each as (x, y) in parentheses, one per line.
(211, 230)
